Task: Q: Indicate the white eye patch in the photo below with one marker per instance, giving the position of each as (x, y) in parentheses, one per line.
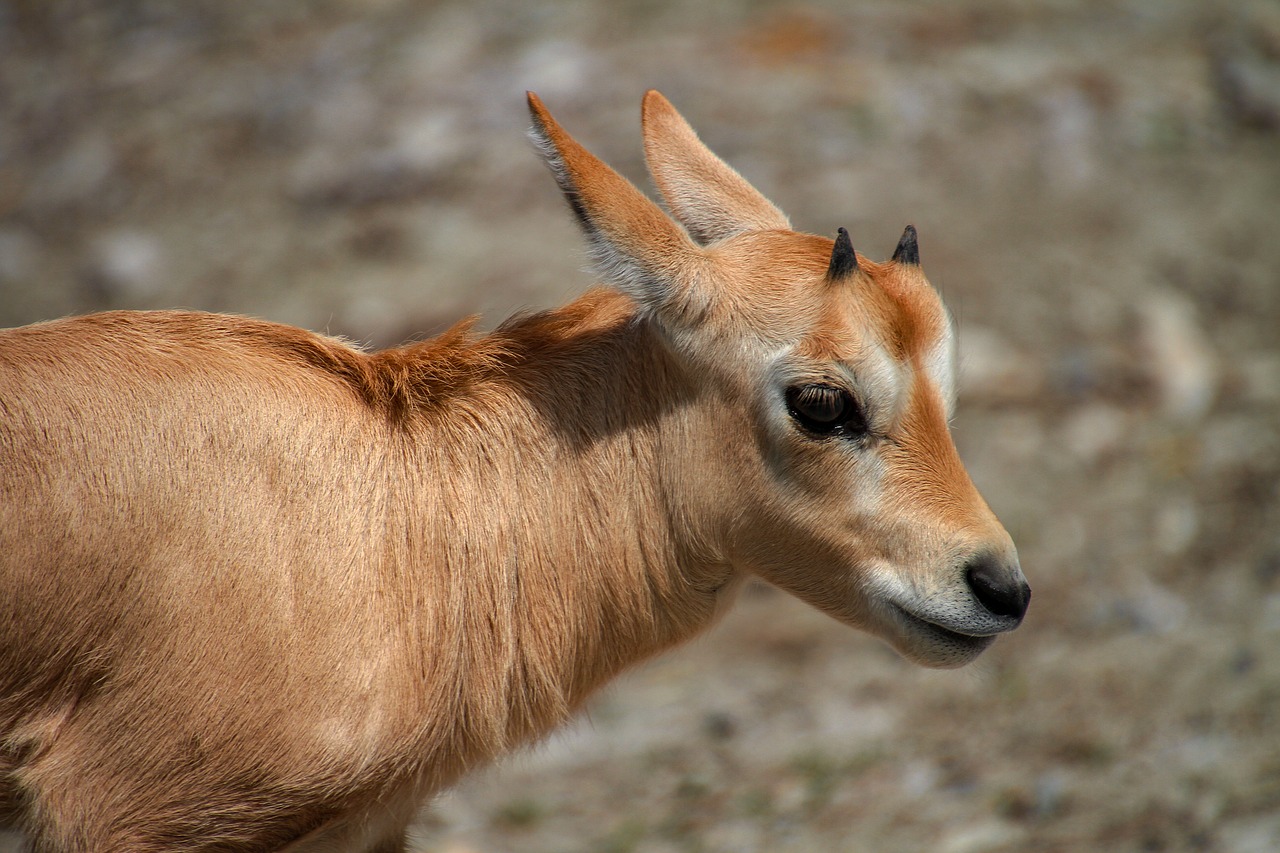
(885, 384)
(880, 383)
(940, 365)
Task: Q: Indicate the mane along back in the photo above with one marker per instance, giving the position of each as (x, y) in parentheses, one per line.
(398, 383)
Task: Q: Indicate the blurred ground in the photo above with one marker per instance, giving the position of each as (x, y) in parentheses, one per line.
(1097, 188)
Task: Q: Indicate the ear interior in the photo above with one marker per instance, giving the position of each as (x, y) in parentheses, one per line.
(634, 244)
(702, 191)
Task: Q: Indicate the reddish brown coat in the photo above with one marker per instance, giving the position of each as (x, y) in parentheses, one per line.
(262, 590)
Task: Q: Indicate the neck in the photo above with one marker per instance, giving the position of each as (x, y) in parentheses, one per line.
(556, 552)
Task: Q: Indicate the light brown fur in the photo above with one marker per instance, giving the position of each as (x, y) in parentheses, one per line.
(261, 590)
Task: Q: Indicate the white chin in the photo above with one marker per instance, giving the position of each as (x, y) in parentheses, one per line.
(934, 646)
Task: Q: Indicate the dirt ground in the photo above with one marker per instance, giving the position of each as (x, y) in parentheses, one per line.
(1097, 189)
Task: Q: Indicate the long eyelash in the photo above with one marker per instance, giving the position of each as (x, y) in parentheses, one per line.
(818, 393)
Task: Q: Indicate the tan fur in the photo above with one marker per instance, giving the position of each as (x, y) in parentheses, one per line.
(260, 590)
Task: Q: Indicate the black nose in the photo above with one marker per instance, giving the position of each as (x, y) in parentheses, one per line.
(999, 586)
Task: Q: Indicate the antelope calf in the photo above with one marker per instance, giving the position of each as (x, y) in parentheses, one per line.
(261, 590)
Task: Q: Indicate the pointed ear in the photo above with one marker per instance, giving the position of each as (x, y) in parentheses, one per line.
(701, 190)
(634, 244)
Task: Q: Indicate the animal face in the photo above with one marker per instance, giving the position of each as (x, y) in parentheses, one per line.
(825, 449)
(862, 506)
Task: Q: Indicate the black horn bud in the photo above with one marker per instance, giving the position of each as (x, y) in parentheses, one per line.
(843, 259)
(908, 252)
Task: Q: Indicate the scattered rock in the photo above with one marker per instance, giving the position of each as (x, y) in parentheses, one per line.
(1252, 834)
(1245, 66)
(719, 725)
(1258, 375)
(1152, 609)
(19, 255)
(993, 370)
(125, 267)
(1050, 794)
(1177, 524)
(1178, 360)
(1095, 431)
(920, 778)
(981, 837)
(77, 175)
(421, 153)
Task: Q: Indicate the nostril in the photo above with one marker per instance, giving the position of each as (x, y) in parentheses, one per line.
(999, 588)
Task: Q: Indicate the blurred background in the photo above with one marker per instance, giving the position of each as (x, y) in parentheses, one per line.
(1097, 189)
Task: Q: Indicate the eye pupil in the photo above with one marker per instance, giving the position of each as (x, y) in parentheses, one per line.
(825, 410)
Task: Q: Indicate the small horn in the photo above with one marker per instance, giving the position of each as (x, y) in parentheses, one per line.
(908, 252)
(843, 259)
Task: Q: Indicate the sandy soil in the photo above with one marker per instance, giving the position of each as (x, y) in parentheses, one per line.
(1097, 189)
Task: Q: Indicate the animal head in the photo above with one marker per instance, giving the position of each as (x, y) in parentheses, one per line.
(831, 379)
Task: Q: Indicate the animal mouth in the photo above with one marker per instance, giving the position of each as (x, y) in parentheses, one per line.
(940, 635)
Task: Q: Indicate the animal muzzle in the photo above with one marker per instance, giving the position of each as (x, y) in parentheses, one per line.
(998, 585)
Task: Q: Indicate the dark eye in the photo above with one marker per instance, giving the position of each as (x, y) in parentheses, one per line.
(826, 410)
